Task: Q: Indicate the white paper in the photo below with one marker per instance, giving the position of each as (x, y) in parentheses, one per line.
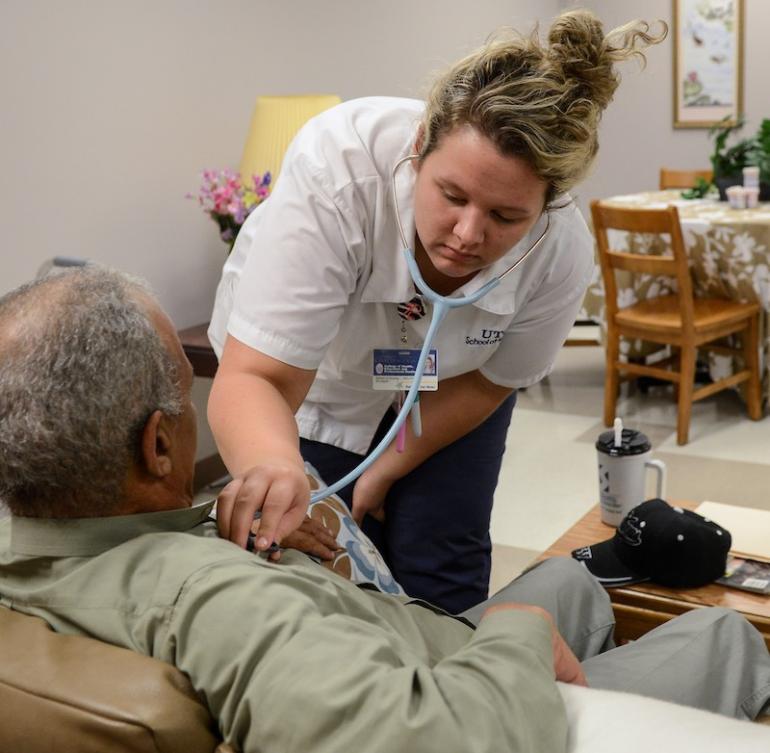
(749, 527)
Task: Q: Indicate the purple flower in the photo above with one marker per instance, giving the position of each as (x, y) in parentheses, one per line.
(261, 183)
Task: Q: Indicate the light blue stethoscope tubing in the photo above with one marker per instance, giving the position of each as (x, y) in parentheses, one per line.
(441, 307)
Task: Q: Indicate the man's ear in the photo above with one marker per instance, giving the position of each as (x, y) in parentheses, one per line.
(156, 445)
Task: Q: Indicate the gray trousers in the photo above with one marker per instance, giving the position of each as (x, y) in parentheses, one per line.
(708, 658)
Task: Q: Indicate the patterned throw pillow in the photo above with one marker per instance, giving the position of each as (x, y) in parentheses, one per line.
(359, 560)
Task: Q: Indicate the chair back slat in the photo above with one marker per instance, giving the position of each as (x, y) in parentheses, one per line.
(649, 221)
(664, 266)
(657, 221)
(682, 178)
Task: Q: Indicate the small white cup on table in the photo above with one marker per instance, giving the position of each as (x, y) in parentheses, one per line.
(736, 197)
(751, 177)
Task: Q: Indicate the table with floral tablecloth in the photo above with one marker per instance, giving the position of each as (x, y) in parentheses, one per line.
(729, 254)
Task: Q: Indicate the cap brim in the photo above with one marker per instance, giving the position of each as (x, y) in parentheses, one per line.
(603, 563)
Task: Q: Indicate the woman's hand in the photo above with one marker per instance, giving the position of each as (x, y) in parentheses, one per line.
(280, 491)
(312, 537)
(251, 412)
(369, 495)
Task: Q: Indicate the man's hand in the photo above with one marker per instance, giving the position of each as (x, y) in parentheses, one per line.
(565, 664)
(311, 537)
(280, 491)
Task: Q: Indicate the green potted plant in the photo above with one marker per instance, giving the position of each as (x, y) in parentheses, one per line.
(763, 159)
(727, 163)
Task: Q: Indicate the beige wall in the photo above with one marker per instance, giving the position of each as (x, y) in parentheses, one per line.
(110, 109)
(637, 136)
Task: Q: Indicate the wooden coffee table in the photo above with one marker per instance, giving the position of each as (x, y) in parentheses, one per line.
(640, 608)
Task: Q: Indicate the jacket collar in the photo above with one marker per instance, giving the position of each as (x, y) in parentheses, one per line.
(87, 537)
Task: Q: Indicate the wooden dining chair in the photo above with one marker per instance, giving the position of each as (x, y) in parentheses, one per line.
(681, 321)
(682, 178)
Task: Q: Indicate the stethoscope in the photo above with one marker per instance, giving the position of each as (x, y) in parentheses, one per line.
(441, 307)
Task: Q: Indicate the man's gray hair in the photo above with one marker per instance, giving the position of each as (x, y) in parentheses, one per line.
(82, 368)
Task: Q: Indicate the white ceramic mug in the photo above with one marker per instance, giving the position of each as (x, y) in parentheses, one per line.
(622, 474)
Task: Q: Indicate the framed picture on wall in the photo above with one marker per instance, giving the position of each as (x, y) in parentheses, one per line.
(708, 62)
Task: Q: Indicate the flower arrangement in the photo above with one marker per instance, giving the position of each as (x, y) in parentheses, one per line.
(228, 202)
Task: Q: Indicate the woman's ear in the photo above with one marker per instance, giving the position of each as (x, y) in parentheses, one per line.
(156, 445)
(419, 140)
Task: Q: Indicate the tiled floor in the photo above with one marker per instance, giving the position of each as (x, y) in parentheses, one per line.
(549, 474)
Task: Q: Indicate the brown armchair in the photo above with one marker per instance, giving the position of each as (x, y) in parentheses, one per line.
(71, 694)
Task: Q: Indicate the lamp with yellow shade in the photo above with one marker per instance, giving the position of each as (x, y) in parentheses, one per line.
(274, 124)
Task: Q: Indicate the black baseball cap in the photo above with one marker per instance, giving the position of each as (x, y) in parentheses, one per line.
(660, 543)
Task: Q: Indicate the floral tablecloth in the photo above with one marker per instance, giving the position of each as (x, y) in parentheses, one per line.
(729, 253)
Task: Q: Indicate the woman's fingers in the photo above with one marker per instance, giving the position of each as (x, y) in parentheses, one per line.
(369, 495)
(248, 501)
(283, 511)
(281, 494)
(361, 509)
(225, 503)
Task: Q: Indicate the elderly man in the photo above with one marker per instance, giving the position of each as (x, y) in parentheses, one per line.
(97, 443)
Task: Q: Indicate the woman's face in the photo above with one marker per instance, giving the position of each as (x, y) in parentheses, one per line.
(471, 205)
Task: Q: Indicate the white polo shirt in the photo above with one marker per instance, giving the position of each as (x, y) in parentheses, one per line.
(317, 272)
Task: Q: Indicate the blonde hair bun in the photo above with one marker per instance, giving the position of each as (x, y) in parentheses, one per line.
(539, 102)
(578, 46)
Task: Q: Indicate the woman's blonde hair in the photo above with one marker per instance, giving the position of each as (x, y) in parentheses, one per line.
(541, 103)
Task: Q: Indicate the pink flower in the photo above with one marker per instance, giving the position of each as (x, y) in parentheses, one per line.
(227, 201)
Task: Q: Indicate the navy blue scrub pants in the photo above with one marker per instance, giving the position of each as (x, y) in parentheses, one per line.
(435, 537)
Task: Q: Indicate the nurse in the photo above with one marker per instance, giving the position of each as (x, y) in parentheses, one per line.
(317, 291)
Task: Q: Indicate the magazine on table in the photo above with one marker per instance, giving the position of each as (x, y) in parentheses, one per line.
(747, 574)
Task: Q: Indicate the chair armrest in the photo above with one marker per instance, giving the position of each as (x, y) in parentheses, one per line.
(73, 694)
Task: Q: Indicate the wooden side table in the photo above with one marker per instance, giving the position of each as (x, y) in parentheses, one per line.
(197, 348)
(642, 607)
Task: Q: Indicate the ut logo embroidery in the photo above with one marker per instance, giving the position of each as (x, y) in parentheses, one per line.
(487, 337)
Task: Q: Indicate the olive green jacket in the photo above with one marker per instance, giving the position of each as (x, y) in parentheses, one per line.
(288, 656)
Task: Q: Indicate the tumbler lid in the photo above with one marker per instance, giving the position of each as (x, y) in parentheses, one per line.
(632, 443)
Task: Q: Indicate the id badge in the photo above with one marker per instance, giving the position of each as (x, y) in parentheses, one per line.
(394, 369)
